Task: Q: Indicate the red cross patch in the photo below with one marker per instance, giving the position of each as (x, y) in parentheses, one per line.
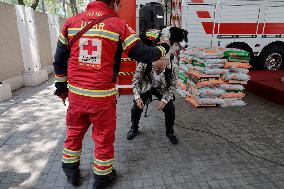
(90, 52)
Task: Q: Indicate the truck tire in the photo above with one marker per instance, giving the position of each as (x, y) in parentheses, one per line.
(272, 57)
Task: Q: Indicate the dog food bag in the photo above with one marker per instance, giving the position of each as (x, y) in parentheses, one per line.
(209, 92)
(181, 84)
(210, 53)
(238, 95)
(207, 101)
(214, 71)
(183, 93)
(237, 76)
(235, 53)
(209, 62)
(210, 83)
(239, 59)
(183, 77)
(238, 70)
(232, 103)
(184, 67)
(237, 65)
(190, 83)
(231, 87)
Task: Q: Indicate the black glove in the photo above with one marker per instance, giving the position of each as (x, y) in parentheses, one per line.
(61, 88)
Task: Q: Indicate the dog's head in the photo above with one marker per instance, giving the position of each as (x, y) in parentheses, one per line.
(176, 36)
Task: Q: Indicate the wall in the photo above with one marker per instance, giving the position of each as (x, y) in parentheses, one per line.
(11, 63)
(43, 36)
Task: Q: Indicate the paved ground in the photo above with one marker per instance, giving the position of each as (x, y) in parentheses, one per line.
(32, 131)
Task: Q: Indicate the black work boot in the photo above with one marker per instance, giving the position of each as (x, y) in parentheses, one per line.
(173, 139)
(103, 181)
(132, 133)
(72, 172)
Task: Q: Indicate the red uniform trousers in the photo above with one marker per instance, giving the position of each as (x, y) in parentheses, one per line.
(99, 112)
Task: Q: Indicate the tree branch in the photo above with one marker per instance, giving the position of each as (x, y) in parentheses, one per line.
(35, 4)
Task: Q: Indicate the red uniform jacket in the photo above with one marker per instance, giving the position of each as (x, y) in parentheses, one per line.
(93, 62)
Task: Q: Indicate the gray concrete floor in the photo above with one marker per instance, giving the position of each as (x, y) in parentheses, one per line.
(32, 131)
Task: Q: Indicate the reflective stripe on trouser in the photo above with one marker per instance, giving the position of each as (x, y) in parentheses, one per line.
(101, 114)
(70, 156)
(103, 167)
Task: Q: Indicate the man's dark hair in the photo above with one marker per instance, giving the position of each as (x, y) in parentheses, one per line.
(108, 1)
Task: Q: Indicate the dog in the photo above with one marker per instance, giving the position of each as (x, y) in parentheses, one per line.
(177, 37)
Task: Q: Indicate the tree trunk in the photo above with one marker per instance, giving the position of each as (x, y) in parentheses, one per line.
(74, 8)
(35, 4)
(21, 2)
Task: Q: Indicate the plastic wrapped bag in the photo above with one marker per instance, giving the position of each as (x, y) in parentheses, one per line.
(215, 71)
(232, 103)
(231, 52)
(239, 59)
(183, 93)
(237, 76)
(231, 87)
(190, 83)
(210, 53)
(239, 70)
(207, 92)
(204, 101)
(209, 62)
(237, 65)
(209, 83)
(182, 77)
(181, 85)
(238, 95)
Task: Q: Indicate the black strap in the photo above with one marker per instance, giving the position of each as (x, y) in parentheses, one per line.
(86, 28)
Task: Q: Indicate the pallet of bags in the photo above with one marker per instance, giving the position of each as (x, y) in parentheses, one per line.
(214, 76)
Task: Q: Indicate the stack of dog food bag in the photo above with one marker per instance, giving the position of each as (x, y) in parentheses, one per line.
(213, 76)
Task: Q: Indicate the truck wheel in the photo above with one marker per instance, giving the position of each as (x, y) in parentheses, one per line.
(272, 58)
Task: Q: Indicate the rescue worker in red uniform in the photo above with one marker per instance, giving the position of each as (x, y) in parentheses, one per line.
(93, 64)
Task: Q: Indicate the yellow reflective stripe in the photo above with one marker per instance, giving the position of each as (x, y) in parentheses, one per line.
(60, 79)
(92, 93)
(63, 39)
(127, 59)
(102, 172)
(71, 153)
(71, 159)
(95, 33)
(78, 29)
(152, 34)
(130, 40)
(104, 163)
(162, 49)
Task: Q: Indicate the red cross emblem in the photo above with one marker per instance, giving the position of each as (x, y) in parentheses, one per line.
(90, 48)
